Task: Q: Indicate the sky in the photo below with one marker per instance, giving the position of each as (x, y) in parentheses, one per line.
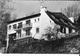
(25, 8)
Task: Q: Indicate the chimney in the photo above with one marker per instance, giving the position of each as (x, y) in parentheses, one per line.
(43, 9)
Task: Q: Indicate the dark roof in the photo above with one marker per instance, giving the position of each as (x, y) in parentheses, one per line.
(60, 19)
(28, 17)
(78, 21)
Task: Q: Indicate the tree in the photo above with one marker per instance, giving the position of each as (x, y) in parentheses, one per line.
(4, 18)
(51, 33)
(72, 11)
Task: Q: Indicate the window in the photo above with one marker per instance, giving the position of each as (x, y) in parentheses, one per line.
(14, 26)
(19, 33)
(9, 27)
(35, 20)
(38, 19)
(20, 25)
(50, 21)
(37, 30)
(28, 22)
(27, 32)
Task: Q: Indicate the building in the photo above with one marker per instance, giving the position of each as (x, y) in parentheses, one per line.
(35, 25)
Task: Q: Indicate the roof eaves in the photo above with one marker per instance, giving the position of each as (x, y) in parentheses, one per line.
(61, 20)
(28, 17)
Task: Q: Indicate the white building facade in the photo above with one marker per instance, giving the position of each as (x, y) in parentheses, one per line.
(33, 26)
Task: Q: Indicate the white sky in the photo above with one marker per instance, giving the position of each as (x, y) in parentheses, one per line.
(25, 8)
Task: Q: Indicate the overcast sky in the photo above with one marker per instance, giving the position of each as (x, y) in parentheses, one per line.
(25, 8)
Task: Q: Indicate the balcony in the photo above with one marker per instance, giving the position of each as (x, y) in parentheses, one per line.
(27, 25)
(23, 36)
(24, 27)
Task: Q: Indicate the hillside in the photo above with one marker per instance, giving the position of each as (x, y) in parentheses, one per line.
(41, 46)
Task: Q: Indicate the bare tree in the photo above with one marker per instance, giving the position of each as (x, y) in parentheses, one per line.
(5, 16)
(51, 33)
(72, 11)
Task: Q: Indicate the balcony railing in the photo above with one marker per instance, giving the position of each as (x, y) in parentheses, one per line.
(27, 25)
(23, 26)
(23, 36)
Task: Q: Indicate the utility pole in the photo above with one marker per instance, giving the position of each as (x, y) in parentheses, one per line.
(7, 39)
